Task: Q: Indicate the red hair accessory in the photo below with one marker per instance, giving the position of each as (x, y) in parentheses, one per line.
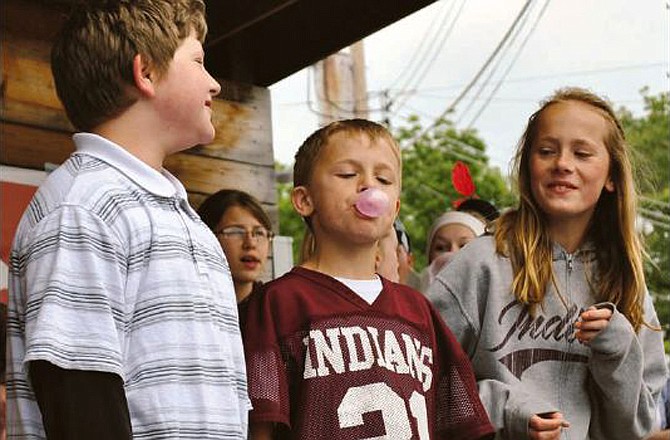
(462, 181)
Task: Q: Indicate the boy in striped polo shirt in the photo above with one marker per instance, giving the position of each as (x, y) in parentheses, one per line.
(122, 313)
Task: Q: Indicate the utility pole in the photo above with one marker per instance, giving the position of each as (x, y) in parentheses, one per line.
(341, 89)
(386, 108)
(358, 77)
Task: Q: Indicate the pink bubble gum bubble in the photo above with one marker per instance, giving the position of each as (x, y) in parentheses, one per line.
(372, 202)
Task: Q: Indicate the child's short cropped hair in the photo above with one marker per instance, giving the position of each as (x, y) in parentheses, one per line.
(308, 153)
(92, 58)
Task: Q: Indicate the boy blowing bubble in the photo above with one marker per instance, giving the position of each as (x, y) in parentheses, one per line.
(336, 351)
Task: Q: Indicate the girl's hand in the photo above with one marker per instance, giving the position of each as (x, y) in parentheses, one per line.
(592, 321)
(547, 426)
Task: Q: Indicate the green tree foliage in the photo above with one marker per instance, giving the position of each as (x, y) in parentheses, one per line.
(427, 189)
(649, 137)
(290, 223)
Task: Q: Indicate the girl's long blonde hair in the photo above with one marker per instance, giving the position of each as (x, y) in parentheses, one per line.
(522, 235)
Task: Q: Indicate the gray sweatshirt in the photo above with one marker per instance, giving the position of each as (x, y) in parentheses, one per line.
(528, 365)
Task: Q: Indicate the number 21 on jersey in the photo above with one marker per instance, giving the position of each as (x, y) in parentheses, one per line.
(380, 397)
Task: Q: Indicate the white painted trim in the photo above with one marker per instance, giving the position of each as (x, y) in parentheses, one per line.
(23, 176)
(282, 255)
(4, 275)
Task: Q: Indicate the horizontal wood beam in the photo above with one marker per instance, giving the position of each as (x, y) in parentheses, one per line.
(35, 131)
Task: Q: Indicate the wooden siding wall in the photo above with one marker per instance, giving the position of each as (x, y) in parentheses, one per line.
(34, 130)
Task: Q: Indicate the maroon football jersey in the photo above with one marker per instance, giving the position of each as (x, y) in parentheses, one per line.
(325, 364)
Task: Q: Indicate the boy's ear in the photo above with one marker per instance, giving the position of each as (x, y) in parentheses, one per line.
(378, 258)
(410, 260)
(142, 76)
(397, 207)
(302, 202)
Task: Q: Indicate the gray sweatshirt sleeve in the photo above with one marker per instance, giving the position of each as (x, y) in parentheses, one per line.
(628, 372)
(509, 407)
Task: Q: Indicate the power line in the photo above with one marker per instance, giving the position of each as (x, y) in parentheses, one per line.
(565, 74)
(509, 67)
(484, 67)
(469, 153)
(496, 65)
(416, 111)
(421, 92)
(657, 223)
(426, 67)
(309, 99)
(507, 98)
(418, 66)
(424, 39)
(661, 203)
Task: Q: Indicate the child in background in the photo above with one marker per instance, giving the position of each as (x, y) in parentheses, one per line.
(452, 231)
(122, 313)
(395, 259)
(335, 351)
(553, 307)
(449, 233)
(479, 208)
(245, 232)
(387, 264)
(405, 257)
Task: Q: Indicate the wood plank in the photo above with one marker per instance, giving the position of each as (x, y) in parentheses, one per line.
(241, 115)
(196, 199)
(34, 128)
(242, 120)
(34, 19)
(28, 92)
(31, 147)
(207, 176)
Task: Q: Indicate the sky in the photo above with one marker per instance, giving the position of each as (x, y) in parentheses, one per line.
(612, 47)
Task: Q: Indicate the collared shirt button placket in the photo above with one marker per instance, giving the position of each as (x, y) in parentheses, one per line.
(182, 212)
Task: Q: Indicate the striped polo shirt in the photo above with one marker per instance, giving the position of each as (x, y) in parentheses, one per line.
(111, 270)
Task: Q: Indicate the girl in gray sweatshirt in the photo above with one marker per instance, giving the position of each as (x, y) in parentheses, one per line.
(552, 308)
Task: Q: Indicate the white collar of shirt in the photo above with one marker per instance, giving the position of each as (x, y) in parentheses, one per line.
(160, 183)
(369, 290)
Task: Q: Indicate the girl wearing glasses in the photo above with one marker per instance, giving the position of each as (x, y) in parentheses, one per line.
(244, 231)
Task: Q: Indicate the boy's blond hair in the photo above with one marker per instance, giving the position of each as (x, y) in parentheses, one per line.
(522, 234)
(309, 152)
(92, 58)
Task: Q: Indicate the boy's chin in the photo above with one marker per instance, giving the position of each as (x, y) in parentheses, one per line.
(207, 138)
(366, 238)
(200, 141)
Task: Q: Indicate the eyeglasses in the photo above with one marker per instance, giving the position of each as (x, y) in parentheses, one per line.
(239, 233)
